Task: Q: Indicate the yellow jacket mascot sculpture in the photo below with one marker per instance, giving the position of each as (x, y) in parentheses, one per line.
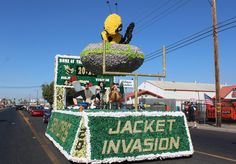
(120, 55)
(112, 27)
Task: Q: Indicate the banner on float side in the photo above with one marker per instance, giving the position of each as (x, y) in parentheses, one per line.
(139, 136)
(118, 136)
(62, 129)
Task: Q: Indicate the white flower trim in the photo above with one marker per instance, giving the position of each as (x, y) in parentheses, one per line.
(137, 158)
(58, 146)
(118, 159)
(122, 114)
(67, 56)
(76, 138)
(55, 83)
(86, 121)
(188, 134)
(68, 156)
(143, 157)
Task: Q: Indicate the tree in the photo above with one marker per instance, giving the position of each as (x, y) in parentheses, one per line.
(48, 91)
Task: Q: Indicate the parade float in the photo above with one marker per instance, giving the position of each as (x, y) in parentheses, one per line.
(105, 135)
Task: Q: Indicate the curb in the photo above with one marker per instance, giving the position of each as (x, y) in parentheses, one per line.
(230, 129)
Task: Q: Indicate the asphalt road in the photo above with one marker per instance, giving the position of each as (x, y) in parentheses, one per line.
(22, 141)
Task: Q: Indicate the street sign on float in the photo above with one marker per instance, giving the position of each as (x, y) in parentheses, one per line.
(67, 66)
(127, 83)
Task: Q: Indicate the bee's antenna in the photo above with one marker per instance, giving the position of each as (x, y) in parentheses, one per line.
(108, 3)
(116, 4)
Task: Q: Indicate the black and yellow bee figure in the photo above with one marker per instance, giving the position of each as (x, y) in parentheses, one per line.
(112, 27)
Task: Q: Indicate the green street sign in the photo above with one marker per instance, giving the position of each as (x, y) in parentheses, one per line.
(68, 66)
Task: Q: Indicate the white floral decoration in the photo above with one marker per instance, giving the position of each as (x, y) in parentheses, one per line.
(85, 115)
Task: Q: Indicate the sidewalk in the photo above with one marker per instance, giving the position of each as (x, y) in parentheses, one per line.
(231, 128)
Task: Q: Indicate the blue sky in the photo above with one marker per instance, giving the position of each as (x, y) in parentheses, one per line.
(32, 32)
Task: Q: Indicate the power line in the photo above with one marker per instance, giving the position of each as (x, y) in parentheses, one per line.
(184, 45)
(195, 35)
(190, 41)
(168, 51)
(210, 3)
(163, 14)
(202, 32)
(191, 37)
(151, 12)
(158, 15)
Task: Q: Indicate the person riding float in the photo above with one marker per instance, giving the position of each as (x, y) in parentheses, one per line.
(115, 97)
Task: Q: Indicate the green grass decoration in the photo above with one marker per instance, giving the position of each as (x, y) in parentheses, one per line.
(129, 52)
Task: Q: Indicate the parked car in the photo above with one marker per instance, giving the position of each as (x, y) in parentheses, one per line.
(2, 106)
(37, 111)
(29, 108)
(19, 107)
(47, 115)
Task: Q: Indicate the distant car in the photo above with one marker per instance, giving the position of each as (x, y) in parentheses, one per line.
(47, 115)
(2, 106)
(29, 108)
(19, 107)
(37, 111)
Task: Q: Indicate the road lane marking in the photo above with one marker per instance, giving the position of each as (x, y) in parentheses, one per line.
(2, 110)
(47, 150)
(216, 156)
(54, 159)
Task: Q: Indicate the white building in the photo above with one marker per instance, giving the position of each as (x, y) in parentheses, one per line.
(181, 91)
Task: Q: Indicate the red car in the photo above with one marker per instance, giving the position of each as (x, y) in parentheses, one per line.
(37, 111)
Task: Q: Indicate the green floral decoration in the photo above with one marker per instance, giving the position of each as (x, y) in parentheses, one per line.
(99, 127)
(108, 143)
(62, 128)
(80, 148)
(128, 51)
(60, 98)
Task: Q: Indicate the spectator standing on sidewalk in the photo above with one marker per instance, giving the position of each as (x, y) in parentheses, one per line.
(192, 117)
(186, 109)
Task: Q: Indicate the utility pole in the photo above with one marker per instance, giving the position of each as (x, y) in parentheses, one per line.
(37, 97)
(217, 72)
